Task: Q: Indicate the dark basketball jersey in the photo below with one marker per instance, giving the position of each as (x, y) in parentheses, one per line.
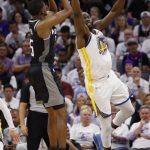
(42, 49)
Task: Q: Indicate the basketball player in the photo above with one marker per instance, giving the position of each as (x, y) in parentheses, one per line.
(102, 84)
(42, 75)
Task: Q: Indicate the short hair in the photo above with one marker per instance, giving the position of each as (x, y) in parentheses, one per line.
(35, 6)
(145, 107)
(65, 29)
(8, 86)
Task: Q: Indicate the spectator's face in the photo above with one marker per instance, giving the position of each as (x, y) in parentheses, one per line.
(80, 101)
(136, 72)
(146, 20)
(128, 67)
(147, 100)
(145, 114)
(18, 18)
(3, 69)
(86, 118)
(62, 56)
(8, 92)
(133, 48)
(87, 19)
(121, 21)
(15, 117)
(26, 48)
(65, 36)
(14, 28)
(3, 51)
(78, 63)
(94, 11)
(128, 34)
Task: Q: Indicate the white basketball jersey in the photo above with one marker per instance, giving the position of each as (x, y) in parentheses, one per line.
(95, 57)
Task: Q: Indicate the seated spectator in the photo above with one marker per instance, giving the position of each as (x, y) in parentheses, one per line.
(15, 38)
(142, 31)
(11, 132)
(147, 99)
(73, 76)
(22, 145)
(4, 25)
(67, 89)
(117, 32)
(139, 59)
(82, 133)
(121, 49)
(140, 131)
(126, 77)
(146, 47)
(80, 101)
(138, 86)
(9, 99)
(64, 39)
(22, 23)
(22, 63)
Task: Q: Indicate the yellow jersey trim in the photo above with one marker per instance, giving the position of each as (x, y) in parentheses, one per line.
(89, 77)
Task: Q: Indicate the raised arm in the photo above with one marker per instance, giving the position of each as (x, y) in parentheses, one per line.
(81, 29)
(53, 20)
(52, 5)
(115, 11)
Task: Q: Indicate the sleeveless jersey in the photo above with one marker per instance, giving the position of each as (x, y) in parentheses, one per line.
(95, 57)
(42, 49)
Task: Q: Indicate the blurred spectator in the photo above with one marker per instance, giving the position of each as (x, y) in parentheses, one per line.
(95, 12)
(140, 131)
(64, 39)
(73, 76)
(4, 25)
(9, 6)
(146, 47)
(126, 77)
(148, 5)
(147, 99)
(67, 89)
(19, 8)
(136, 7)
(11, 132)
(22, 24)
(117, 32)
(5, 64)
(22, 145)
(138, 86)
(80, 101)
(121, 48)
(139, 59)
(142, 30)
(15, 38)
(9, 99)
(82, 133)
(22, 63)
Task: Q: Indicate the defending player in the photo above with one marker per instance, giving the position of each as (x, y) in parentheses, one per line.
(42, 75)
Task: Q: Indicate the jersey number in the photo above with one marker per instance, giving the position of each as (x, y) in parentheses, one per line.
(31, 46)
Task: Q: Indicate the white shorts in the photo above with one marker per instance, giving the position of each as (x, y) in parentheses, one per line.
(109, 90)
